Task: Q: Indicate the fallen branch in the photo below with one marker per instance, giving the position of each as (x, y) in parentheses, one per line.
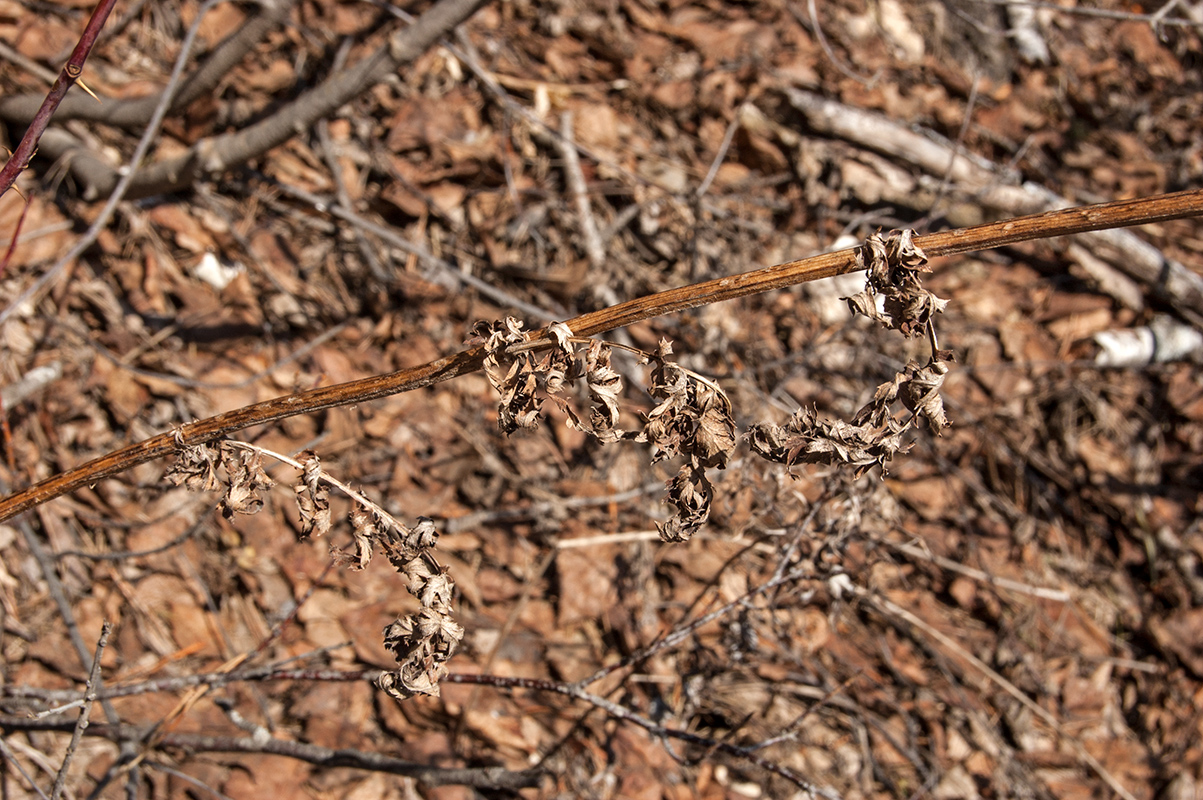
(994, 191)
(212, 156)
(481, 777)
(134, 113)
(1064, 222)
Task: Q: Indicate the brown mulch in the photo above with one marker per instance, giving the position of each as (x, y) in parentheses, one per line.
(1015, 609)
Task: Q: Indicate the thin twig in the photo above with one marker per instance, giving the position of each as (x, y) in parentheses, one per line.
(81, 725)
(958, 145)
(482, 777)
(835, 60)
(624, 714)
(184, 776)
(11, 757)
(717, 162)
(454, 275)
(325, 477)
(566, 144)
(953, 646)
(1043, 592)
(340, 186)
(29, 65)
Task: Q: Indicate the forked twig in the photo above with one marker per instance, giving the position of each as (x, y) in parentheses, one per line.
(85, 711)
(1063, 222)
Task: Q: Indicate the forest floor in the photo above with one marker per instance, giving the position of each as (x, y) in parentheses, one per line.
(1013, 609)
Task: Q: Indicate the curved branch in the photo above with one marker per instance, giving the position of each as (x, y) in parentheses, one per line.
(1123, 213)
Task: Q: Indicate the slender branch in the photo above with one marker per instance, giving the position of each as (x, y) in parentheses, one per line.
(66, 79)
(482, 777)
(81, 725)
(1062, 222)
(950, 644)
(621, 712)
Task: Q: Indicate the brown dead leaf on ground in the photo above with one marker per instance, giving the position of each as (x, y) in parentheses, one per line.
(1052, 532)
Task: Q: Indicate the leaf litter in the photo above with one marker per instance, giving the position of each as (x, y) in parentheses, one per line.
(1057, 474)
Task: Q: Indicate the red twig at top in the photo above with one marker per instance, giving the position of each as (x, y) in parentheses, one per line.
(66, 79)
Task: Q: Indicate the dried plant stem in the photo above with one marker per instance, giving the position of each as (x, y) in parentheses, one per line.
(1062, 222)
(82, 723)
(66, 79)
(325, 478)
(950, 644)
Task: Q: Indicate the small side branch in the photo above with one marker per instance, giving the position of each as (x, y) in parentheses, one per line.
(81, 724)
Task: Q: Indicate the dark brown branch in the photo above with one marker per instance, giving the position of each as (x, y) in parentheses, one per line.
(66, 79)
(1064, 222)
(481, 777)
(133, 114)
(624, 714)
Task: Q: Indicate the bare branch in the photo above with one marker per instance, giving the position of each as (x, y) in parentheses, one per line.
(1063, 222)
(82, 724)
(212, 156)
(481, 777)
(133, 114)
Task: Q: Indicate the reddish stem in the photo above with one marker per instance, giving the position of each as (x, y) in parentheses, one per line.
(12, 243)
(71, 71)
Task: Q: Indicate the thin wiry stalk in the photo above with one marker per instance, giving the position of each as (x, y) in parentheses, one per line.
(1062, 222)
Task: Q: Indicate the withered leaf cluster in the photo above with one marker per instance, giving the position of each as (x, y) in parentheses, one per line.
(196, 468)
(691, 419)
(313, 497)
(421, 642)
(893, 264)
(512, 376)
(876, 432)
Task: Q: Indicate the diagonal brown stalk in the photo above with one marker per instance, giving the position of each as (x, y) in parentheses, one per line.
(1063, 222)
(66, 79)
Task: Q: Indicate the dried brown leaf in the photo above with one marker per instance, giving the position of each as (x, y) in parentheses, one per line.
(244, 471)
(313, 497)
(921, 394)
(605, 385)
(196, 468)
(714, 437)
(691, 495)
